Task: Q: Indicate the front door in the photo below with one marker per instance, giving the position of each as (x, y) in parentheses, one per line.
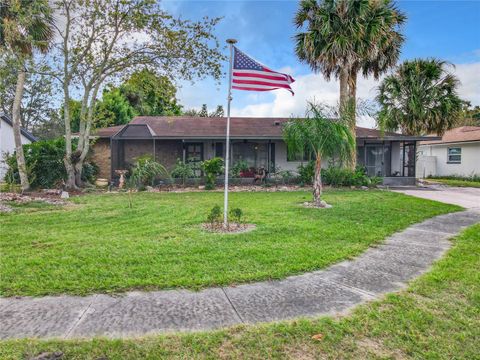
(194, 156)
(374, 160)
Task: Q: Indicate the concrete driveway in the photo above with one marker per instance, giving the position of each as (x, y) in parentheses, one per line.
(468, 198)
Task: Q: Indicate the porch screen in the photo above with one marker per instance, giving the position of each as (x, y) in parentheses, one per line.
(254, 154)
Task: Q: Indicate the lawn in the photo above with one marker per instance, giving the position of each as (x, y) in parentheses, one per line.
(456, 182)
(437, 317)
(99, 244)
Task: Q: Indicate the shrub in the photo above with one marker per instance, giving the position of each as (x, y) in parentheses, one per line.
(306, 172)
(212, 168)
(239, 167)
(45, 167)
(236, 214)
(336, 176)
(182, 171)
(214, 217)
(146, 171)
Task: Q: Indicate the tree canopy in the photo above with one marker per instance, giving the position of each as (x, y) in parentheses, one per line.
(419, 98)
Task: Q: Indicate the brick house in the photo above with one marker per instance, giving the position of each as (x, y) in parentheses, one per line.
(257, 141)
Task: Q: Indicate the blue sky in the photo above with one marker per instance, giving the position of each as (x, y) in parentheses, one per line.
(449, 30)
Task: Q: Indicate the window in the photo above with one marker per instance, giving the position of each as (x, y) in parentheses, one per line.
(454, 155)
(306, 156)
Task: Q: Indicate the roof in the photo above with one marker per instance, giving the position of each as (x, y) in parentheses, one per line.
(24, 132)
(460, 134)
(186, 127)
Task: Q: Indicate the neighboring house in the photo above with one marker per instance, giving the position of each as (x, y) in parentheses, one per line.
(7, 142)
(258, 141)
(457, 153)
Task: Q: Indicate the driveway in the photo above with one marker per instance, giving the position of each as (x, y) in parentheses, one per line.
(468, 198)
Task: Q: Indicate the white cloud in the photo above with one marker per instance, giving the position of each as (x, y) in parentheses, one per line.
(314, 86)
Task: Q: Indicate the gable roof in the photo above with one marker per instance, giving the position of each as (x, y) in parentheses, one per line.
(460, 134)
(24, 132)
(188, 127)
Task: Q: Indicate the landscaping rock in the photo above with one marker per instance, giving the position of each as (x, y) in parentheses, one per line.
(48, 356)
(5, 208)
(64, 195)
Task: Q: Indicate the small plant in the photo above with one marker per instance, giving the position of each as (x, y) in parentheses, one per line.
(212, 169)
(214, 217)
(239, 167)
(306, 172)
(146, 171)
(183, 171)
(236, 214)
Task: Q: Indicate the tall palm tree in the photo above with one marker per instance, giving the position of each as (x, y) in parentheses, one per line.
(323, 137)
(420, 98)
(25, 26)
(344, 37)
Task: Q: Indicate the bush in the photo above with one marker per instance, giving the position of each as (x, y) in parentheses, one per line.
(212, 168)
(45, 167)
(336, 176)
(146, 171)
(182, 171)
(236, 215)
(214, 217)
(306, 173)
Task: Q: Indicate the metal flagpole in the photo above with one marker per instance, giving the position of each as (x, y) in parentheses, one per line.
(230, 42)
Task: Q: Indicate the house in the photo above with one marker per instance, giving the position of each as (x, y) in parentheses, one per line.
(7, 142)
(456, 153)
(257, 141)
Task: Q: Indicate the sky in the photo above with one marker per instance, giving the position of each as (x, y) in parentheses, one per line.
(448, 30)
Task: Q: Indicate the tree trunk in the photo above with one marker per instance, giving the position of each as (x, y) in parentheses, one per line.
(343, 92)
(317, 182)
(67, 160)
(17, 118)
(352, 109)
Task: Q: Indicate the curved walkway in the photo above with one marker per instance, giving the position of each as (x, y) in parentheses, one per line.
(334, 290)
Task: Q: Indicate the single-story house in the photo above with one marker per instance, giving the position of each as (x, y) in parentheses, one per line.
(257, 141)
(7, 141)
(456, 153)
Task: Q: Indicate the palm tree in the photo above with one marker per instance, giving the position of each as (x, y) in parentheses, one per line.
(345, 37)
(25, 25)
(419, 98)
(323, 137)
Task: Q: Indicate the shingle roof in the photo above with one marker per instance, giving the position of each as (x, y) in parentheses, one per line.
(460, 134)
(24, 132)
(188, 127)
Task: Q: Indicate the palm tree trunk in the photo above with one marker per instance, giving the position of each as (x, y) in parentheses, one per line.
(17, 104)
(317, 181)
(352, 108)
(343, 92)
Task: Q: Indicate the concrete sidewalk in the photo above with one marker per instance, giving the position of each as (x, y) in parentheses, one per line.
(334, 290)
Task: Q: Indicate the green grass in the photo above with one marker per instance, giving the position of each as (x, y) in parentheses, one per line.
(456, 182)
(101, 245)
(437, 317)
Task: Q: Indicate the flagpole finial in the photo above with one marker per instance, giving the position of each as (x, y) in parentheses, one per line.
(231, 41)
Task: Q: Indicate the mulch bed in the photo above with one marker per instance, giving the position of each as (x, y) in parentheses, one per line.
(9, 198)
(233, 228)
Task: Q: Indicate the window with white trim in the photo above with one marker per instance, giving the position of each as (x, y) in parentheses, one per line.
(454, 155)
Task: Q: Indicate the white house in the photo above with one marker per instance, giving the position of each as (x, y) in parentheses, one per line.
(7, 142)
(457, 153)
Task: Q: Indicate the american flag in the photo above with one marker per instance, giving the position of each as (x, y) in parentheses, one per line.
(249, 74)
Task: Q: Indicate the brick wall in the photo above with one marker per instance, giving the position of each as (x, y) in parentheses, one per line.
(101, 156)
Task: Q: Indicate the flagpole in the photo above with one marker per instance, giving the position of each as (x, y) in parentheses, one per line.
(230, 42)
